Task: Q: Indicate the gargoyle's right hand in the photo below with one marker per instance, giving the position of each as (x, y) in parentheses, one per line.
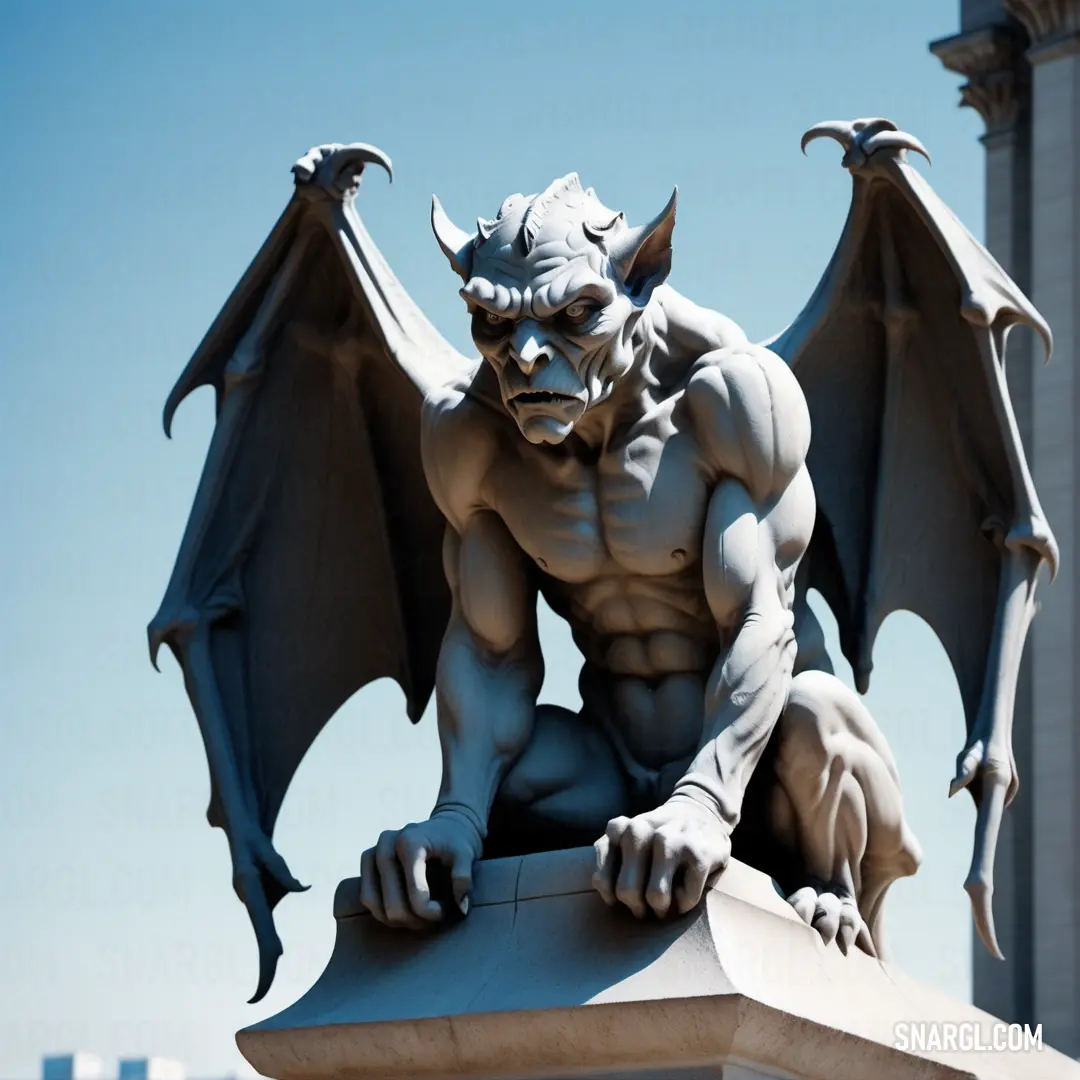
(394, 884)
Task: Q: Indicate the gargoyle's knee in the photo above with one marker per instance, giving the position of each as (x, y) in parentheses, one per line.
(832, 759)
(824, 719)
(810, 723)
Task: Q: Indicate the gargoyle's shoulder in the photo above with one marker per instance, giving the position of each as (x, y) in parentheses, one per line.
(740, 368)
(691, 328)
(467, 404)
(463, 422)
(749, 415)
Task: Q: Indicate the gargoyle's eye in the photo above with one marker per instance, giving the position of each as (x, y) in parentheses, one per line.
(489, 327)
(578, 311)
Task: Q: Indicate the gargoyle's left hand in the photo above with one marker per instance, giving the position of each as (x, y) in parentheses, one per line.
(667, 854)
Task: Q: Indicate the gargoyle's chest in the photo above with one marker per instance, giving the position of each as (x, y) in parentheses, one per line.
(640, 506)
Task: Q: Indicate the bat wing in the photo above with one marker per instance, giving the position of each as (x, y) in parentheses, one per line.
(925, 499)
(311, 564)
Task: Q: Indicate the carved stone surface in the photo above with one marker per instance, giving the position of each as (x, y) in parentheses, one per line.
(991, 59)
(543, 981)
(375, 504)
(1055, 282)
(1053, 25)
(1031, 227)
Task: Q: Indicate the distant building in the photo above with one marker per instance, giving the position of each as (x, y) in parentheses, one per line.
(81, 1066)
(1021, 60)
(153, 1068)
(77, 1066)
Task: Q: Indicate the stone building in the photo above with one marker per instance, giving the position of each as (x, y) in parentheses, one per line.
(1021, 60)
(82, 1066)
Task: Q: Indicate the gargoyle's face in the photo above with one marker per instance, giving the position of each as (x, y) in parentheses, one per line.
(555, 286)
(557, 334)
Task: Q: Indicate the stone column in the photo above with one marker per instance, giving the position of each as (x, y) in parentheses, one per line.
(1054, 30)
(991, 58)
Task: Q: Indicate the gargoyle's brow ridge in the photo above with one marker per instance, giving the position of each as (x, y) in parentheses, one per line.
(496, 297)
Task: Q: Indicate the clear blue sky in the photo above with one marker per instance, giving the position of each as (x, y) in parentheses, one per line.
(146, 154)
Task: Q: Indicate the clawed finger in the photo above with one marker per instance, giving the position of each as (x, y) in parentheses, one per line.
(689, 892)
(370, 892)
(461, 880)
(412, 857)
(865, 941)
(665, 862)
(835, 916)
(392, 884)
(804, 901)
(636, 852)
(607, 869)
(850, 923)
(827, 917)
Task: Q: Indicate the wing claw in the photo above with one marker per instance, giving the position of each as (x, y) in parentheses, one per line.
(861, 139)
(336, 168)
(982, 909)
(898, 141)
(260, 872)
(831, 129)
(991, 796)
(968, 764)
(958, 783)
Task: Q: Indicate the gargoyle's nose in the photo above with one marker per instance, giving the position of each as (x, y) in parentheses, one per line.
(528, 348)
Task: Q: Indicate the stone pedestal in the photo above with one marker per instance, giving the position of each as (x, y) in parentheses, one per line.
(542, 980)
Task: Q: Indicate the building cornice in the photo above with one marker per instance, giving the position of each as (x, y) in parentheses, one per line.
(1052, 25)
(991, 59)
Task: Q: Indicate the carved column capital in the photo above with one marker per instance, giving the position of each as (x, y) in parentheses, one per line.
(1052, 25)
(990, 58)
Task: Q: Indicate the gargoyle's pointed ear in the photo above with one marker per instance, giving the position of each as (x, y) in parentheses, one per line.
(642, 255)
(457, 245)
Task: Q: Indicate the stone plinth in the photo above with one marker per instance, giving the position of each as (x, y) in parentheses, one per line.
(542, 980)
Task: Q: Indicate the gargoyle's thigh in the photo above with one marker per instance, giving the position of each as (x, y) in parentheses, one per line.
(837, 793)
(563, 789)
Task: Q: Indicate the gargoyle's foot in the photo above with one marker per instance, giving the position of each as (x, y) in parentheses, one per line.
(834, 914)
(837, 805)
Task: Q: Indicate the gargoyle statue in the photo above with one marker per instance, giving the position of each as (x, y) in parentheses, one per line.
(375, 504)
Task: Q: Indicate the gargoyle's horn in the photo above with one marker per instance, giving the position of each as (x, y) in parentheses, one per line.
(643, 252)
(456, 244)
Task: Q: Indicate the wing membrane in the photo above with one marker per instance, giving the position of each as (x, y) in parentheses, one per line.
(925, 499)
(311, 564)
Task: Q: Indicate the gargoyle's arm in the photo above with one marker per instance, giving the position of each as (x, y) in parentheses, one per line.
(490, 668)
(759, 522)
(489, 675)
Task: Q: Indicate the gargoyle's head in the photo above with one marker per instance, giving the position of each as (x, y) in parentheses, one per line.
(556, 284)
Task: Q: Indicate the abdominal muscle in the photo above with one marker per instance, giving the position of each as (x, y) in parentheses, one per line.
(648, 652)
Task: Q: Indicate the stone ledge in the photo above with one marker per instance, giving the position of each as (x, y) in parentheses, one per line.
(543, 980)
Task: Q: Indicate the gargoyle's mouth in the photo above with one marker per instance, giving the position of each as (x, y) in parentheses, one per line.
(542, 397)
